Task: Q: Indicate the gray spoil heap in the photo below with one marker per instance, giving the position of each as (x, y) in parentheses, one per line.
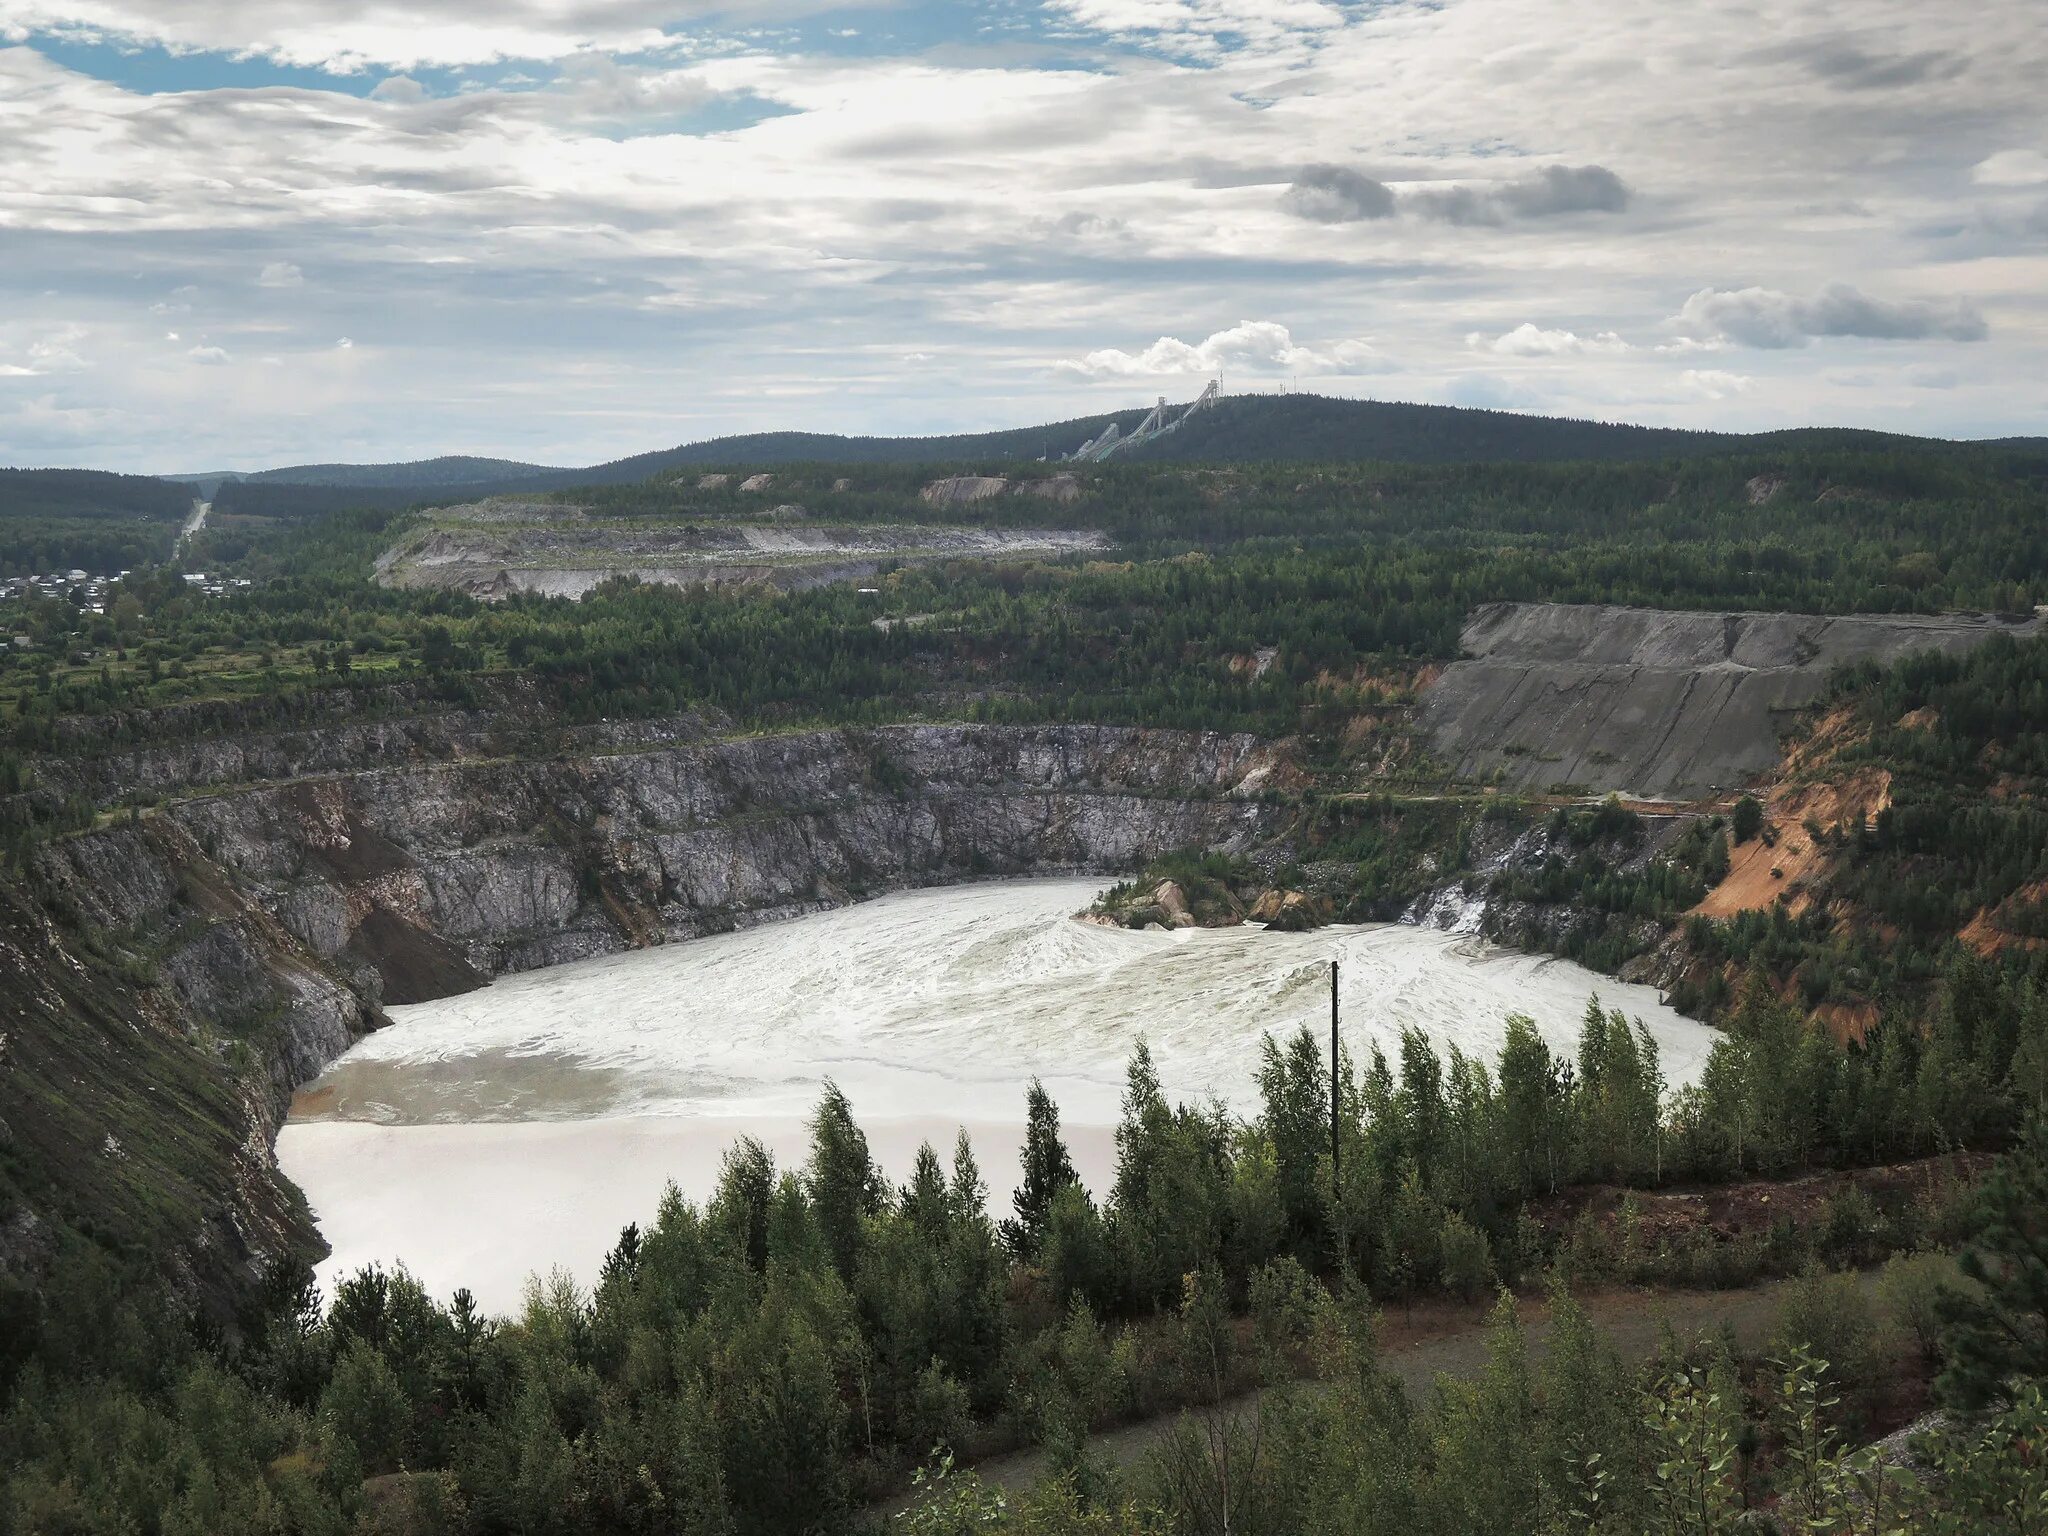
(1672, 706)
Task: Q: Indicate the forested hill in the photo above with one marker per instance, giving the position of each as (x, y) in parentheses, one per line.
(1315, 428)
(52, 519)
(449, 469)
(89, 493)
(1239, 429)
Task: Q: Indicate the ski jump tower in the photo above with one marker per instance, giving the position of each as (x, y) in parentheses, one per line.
(1162, 419)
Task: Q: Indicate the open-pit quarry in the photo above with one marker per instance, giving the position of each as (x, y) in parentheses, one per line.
(493, 550)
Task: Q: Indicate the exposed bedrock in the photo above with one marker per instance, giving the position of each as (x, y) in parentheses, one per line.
(406, 877)
(276, 919)
(1668, 705)
(401, 883)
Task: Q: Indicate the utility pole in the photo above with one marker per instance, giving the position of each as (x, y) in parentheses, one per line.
(1335, 1082)
(1343, 1254)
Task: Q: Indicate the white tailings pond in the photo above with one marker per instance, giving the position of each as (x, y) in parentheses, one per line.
(514, 1130)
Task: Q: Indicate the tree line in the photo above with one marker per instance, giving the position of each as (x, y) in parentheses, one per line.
(769, 1360)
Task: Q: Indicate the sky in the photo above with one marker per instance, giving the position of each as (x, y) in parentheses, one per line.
(240, 233)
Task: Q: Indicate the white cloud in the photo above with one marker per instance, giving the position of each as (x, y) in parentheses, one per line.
(2012, 168)
(353, 35)
(1528, 340)
(1933, 378)
(582, 268)
(16, 371)
(279, 274)
(1716, 384)
(210, 356)
(1766, 317)
(1250, 346)
(1210, 28)
(399, 88)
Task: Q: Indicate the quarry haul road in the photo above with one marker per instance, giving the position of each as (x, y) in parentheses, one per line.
(1441, 1339)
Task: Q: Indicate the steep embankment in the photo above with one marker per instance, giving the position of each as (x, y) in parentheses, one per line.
(1669, 705)
(253, 933)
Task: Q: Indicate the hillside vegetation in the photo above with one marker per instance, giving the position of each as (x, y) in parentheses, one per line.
(769, 1361)
(55, 519)
(1239, 429)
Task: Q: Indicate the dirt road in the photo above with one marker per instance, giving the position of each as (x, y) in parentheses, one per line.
(1439, 1340)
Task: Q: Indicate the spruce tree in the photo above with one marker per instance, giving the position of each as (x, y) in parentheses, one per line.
(1998, 1332)
(1047, 1170)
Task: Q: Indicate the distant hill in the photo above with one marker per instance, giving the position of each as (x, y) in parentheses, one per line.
(1238, 429)
(1319, 429)
(90, 493)
(451, 469)
(57, 519)
(1050, 440)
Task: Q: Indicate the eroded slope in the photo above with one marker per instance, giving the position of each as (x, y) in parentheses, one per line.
(1667, 705)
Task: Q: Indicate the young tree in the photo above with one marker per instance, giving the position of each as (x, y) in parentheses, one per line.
(1997, 1329)
(841, 1180)
(1047, 1170)
(1747, 819)
(1294, 1084)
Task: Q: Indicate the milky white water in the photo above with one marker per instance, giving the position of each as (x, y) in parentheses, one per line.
(514, 1129)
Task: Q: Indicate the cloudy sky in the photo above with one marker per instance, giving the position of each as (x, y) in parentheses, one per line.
(244, 232)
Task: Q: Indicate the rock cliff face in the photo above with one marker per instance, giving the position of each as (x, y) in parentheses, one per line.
(267, 925)
(1671, 705)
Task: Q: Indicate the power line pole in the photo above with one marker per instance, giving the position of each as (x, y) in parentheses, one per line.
(1336, 1099)
(1336, 1146)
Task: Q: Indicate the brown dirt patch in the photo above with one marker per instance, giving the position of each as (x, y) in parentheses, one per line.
(1988, 932)
(1759, 872)
(1925, 718)
(1833, 732)
(1858, 797)
(1732, 1210)
(1846, 1022)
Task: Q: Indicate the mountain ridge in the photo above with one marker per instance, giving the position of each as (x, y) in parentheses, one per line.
(1307, 429)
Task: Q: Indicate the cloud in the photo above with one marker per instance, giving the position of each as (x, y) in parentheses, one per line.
(1768, 318)
(399, 88)
(1335, 194)
(2011, 168)
(1715, 383)
(1528, 340)
(596, 263)
(16, 371)
(279, 274)
(1250, 346)
(212, 357)
(1544, 194)
(1210, 29)
(355, 35)
(1849, 68)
